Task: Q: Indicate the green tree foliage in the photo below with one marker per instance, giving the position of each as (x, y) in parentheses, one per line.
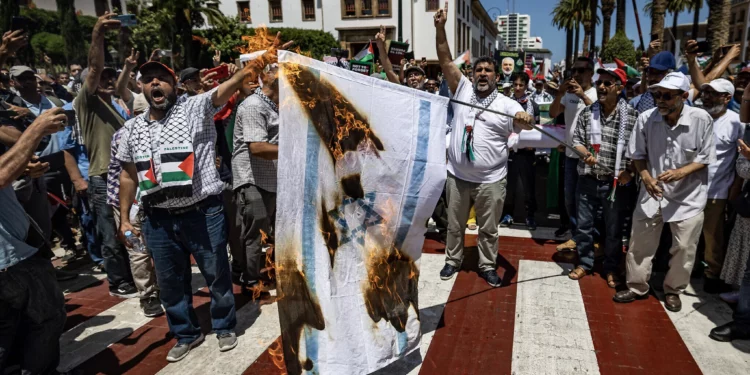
(620, 47)
(148, 35)
(70, 28)
(51, 44)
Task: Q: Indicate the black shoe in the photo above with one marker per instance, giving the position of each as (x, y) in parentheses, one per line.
(531, 223)
(627, 296)
(729, 332)
(61, 275)
(124, 291)
(561, 232)
(491, 278)
(447, 272)
(151, 307)
(715, 286)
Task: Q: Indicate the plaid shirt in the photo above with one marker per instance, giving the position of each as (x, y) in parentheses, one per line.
(196, 112)
(257, 121)
(608, 150)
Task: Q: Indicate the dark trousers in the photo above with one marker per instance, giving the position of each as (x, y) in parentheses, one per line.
(742, 314)
(32, 316)
(114, 253)
(172, 239)
(256, 210)
(593, 196)
(440, 214)
(61, 226)
(522, 166)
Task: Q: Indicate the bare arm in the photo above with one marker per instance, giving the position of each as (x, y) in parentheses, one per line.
(71, 166)
(14, 161)
(96, 52)
(264, 150)
(384, 61)
(9, 135)
(121, 87)
(12, 41)
(695, 70)
(719, 69)
(556, 108)
(450, 70)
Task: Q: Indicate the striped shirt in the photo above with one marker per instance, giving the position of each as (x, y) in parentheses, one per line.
(608, 149)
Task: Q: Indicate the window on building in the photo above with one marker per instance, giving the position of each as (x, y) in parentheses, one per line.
(433, 5)
(366, 9)
(243, 9)
(459, 8)
(274, 7)
(459, 45)
(308, 10)
(741, 18)
(350, 8)
(384, 7)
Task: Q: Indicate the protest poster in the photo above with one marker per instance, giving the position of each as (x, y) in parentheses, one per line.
(396, 52)
(359, 67)
(505, 58)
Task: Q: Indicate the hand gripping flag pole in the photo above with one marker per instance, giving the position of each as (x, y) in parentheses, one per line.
(537, 127)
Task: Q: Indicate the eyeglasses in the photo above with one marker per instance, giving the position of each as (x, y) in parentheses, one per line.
(580, 70)
(605, 83)
(713, 94)
(658, 95)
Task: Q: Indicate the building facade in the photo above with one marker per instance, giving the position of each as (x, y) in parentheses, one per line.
(515, 31)
(682, 35)
(739, 29)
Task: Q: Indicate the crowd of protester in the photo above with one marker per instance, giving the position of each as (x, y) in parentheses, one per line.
(186, 164)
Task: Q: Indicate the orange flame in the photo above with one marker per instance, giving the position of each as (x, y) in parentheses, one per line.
(277, 354)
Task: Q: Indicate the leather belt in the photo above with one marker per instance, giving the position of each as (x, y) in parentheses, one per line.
(182, 210)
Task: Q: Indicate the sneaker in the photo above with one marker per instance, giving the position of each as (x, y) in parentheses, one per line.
(447, 272)
(151, 307)
(227, 341)
(561, 232)
(180, 351)
(61, 275)
(506, 221)
(730, 297)
(531, 223)
(491, 278)
(124, 291)
(99, 268)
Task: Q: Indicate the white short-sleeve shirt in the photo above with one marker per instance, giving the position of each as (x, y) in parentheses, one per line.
(727, 131)
(491, 132)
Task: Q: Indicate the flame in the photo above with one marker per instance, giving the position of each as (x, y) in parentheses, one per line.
(258, 42)
(277, 354)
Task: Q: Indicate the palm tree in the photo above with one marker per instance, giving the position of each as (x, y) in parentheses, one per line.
(189, 14)
(717, 30)
(620, 21)
(564, 17)
(608, 7)
(696, 17)
(658, 9)
(675, 7)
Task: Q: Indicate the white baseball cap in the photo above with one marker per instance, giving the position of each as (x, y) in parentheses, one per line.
(673, 81)
(720, 85)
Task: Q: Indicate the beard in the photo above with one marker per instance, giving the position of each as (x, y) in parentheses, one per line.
(169, 99)
(714, 110)
(508, 72)
(487, 85)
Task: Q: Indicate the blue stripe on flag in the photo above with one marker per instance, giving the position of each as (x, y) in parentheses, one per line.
(417, 173)
(309, 218)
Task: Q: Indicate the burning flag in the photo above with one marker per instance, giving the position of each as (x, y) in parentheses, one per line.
(364, 166)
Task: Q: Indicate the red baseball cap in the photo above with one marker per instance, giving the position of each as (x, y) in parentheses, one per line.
(151, 65)
(614, 72)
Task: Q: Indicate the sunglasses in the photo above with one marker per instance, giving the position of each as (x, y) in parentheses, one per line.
(580, 70)
(658, 95)
(605, 83)
(713, 94)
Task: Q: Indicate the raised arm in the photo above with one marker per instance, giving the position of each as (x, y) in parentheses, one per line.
(384, 61)
(96, 52)
(12, 41)
(719, 69)
(121, 86)
(450, 70)
(225, 91)
(695, 70)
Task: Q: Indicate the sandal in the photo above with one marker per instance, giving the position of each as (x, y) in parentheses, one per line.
(578, 273)
(613, 280)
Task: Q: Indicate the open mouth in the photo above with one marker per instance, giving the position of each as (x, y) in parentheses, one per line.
(158, 96)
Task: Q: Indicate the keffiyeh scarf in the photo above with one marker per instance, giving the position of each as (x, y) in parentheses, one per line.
(172, 176)
(647, 102)
(595, 136)
(467, 140)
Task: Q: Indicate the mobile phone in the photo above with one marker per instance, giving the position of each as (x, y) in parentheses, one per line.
(222, 71)
(8, 113)
(424, 59)
(56, 160)
(165, 53)
(19, 23)
(654, 36)
(127, 20)
(703, 47)
(70, 117)
(725, 49)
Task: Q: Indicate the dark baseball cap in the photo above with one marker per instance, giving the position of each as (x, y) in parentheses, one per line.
(412, 68)
(188, 73)
(155, 65)
(663, 60)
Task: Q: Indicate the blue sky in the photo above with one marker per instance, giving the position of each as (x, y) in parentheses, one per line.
(554, 40)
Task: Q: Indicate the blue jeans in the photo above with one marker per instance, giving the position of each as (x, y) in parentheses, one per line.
(115, 256)
(592, 196)
(93, 246)
(742, 314)
(172, 238)
(571, 180)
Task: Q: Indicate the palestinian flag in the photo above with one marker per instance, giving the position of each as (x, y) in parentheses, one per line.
(463, 59)
(629, 70)
(176, 165)
(366, 55)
